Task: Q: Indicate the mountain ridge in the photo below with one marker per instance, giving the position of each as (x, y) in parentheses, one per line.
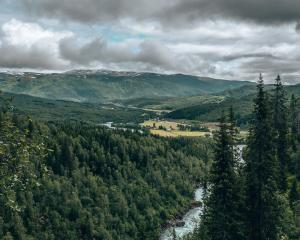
(105, 86)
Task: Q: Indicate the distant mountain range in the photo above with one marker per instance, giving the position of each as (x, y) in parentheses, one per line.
(106, 86)
(126, 97)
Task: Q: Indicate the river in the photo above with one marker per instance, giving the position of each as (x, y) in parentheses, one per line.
(190, 219)
(193, 216)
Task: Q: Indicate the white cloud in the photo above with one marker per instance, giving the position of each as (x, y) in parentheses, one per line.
(28, 45)
(220, 48)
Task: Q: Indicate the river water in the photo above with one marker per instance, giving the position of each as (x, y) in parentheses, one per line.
(193, 216)
(191, 219)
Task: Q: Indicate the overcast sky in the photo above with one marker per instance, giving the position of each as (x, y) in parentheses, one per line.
(230, 39)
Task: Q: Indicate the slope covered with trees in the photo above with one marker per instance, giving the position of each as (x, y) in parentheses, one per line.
(257, 199)
(78, 181)
(241, 100)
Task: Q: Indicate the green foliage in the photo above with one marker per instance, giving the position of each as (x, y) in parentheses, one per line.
(102, 184)
(223, 218)
(240, 99)
(262, 198)
(261, 174)
(17, 168)
(281, 131)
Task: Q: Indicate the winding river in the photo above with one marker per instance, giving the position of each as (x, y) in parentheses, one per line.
(193, 216)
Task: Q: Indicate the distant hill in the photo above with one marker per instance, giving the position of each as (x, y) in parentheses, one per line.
(59, 110)
(106, 86)
(241, 99)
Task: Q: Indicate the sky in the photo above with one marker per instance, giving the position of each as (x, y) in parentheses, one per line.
(228, 39)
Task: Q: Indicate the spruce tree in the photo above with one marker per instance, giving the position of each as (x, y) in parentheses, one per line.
(262, 199)
(281, 131)
(294, 122)
(294, 195)
(222, 214)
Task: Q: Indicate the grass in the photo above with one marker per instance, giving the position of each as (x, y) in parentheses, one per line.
(172, 129)
(177, 133)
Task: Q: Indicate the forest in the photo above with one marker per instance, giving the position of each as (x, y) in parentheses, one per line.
(76, 180)
(258, 197)
(64, 180)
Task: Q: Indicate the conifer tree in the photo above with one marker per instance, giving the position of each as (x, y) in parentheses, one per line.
(262, 199)
(281, 131)
(294, 122)
(222, 218)
(294, 195)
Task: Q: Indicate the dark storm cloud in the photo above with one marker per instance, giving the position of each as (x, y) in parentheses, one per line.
(167, 12)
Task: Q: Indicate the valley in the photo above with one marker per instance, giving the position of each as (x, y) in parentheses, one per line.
(131, 166)
(149, 120)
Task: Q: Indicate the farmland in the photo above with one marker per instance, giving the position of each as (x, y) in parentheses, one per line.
(165, 128)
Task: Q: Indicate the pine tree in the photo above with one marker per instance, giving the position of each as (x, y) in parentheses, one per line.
(233, 134)
(281, 131)
(262, 199)
(294, 195)
(294, 122)
(222, 218)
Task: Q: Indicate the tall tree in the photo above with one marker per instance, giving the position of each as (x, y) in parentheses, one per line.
(294, 163)
(222, 214)
(281, 131)
(294, 195)
(262, 198)
(294, 122)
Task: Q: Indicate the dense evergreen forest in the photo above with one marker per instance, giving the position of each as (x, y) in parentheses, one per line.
(77, 181)
(256, 198)
(74, 180)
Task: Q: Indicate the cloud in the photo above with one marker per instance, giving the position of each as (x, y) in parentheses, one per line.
(27, 45)
(234, 57)
(157, 54)
(298, 27)
(88, 11)
(99, 51)
(222, 48)
(168, 13)
(149, 55)
(94, 51)
(260, 11)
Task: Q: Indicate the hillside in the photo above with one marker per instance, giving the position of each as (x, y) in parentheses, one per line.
(241, 99)
(106, 86)
(59, 110)
(95, 183)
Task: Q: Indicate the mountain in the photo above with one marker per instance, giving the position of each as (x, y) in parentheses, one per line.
(106, 86)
